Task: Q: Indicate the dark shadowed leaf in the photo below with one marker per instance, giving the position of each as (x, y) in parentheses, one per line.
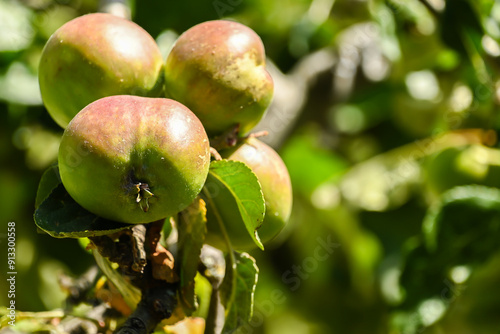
(467, 219)
(192, 231)
(461, 26)
(463, 229)
(61, 217)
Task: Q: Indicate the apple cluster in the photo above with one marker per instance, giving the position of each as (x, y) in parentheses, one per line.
(138, 129)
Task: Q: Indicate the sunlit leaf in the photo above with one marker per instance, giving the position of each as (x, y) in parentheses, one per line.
(386, 180)
(236, 193)
(310, 165)
(186, 326)
(49, 181)
(130, 293)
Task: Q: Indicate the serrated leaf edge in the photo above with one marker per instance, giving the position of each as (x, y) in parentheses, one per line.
(234, 266)
(253, 234)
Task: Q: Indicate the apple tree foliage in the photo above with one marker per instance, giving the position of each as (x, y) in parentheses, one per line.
(386, 116)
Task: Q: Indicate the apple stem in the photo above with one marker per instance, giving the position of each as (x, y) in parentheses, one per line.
(227, 139)
(215, 154)
(257, 134)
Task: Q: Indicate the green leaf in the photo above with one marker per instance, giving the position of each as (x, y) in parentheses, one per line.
(238, 289)
(237, 195)
(457, 20)
(203, 291)
(61, 217)
(466, 220)
(309, 164)
(17, 32)
(463, 229)
(461, 29)
(130, 293)
(192, 229)
(423, 275)
(49, 181)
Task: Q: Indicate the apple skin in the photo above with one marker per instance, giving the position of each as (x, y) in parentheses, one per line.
(94, 56)
(117, 142)
(276, 188)
(217, 69)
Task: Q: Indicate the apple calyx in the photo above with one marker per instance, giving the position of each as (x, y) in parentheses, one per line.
(143, 195)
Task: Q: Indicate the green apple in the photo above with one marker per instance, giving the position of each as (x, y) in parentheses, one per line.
(217, 69)
(134, 159)
(94, 56)
(276, 188)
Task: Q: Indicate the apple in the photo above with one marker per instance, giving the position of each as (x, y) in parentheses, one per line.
(94, 56)
(217, 69)
(134, 159)
(276, 188)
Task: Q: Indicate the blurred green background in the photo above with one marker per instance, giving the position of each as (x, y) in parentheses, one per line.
(386, 115)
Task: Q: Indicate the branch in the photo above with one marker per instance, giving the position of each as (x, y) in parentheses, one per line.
(129, 251)
(138, 248)
(157, 303)
(132, 251)
(290, 94)
(78, 288)
(212, 266)
(162, 261)
(431, 9)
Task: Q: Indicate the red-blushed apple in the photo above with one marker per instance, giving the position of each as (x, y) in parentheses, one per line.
(276, 188)
(217, 69)
(134, 159)
(94, 56)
